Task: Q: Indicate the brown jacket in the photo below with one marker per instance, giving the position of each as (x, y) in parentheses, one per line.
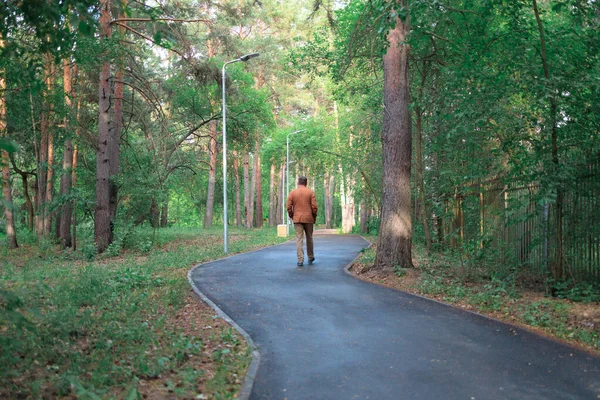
(302, 205)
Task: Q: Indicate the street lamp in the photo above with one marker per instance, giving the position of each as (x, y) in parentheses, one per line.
(225, 219)
(287, 174)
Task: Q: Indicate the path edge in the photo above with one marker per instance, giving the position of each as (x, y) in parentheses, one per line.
(490, 318)
(246, 388)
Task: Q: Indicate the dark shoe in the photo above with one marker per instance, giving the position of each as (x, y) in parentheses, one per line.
(300, 264)
(311, 260)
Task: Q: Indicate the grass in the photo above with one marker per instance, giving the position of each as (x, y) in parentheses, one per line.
(444, 278)
(103, 327)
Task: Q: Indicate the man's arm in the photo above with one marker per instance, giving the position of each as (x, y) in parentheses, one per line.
(313, 205)
(290, 206)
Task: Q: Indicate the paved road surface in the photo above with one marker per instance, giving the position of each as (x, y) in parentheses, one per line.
(323, 334)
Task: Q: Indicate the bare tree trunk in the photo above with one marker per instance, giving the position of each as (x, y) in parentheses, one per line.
(102, 225)
(154, 213)
(272, 204)
(164, 214)
(257, 174)
(49, 183)
(329, 189)
(8, 211)
(247, 192)
(348, 205)
(28, 202)
(282, 198)
(64, 230)
(74, 173)
(252, 192)
(238, 206)
(420, 177)
(364, 217)
(114, 145)
(395, 233)
(42, 154)
(210, 197)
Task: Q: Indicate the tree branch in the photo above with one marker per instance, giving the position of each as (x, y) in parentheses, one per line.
(151, 40)
(116, 21)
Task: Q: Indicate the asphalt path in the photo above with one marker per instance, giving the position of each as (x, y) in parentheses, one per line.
(323, 334)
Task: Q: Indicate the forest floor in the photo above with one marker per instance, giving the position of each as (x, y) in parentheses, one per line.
(516, 302)
(125, 324)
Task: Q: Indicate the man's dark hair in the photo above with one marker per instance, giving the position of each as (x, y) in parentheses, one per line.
(302, 180)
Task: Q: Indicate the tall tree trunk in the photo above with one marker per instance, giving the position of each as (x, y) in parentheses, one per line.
(114, 144)
(28, 202)
(364, 217)
(210, 197)
(74, 169)
(102, 225)
(420, 176)
(252, 174)
(257, 174)
(272, 204)
(247, 192)
(42, 153)
(8, 210)
(154, 213)
(49, 182)
(281, 196)
(557, 265)
(238, 206)
(395, 232)
(50, 171)
(164, 213)
(348, 205)
(66, 179)
(6, 190)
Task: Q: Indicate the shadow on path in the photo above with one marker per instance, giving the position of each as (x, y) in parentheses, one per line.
(323, 334)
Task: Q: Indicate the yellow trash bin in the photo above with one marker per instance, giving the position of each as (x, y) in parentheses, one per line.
(281, 230)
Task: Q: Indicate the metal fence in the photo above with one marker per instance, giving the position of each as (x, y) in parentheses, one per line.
(521, 225)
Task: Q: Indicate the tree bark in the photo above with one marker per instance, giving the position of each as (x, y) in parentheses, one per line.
(348, 205)
(420, 177)
(364, 217)
(66, 179)
(74, 169)
(8, 211)
(42, 153)
(164, 214)
(102, 225)
(395, 232)
(210, 197)
(252, 174)
(281, 197)
(238, 206)
(154, 213)
(272, 204)
(114, 145)
(247, 193)
(258, 180)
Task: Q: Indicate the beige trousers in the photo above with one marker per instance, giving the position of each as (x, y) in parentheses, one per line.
(300, 230)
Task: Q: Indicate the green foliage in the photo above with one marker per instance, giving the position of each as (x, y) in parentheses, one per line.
(579, 292)
(95, 329)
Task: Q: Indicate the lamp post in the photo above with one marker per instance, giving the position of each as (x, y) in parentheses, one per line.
(287, 174)
(225, 218)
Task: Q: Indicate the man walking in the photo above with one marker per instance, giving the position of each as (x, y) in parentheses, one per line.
(302, 208)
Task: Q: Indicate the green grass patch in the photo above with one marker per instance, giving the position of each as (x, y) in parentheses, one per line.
(71, 326)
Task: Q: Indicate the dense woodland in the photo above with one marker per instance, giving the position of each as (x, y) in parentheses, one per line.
(472, 126)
